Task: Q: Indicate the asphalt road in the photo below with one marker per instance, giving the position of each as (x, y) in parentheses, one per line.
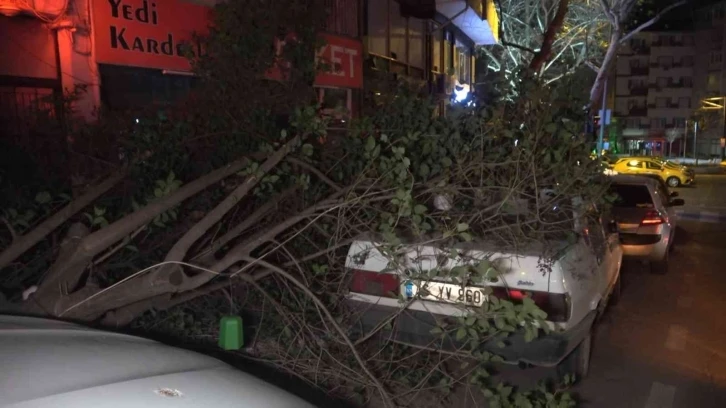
(709, 193)
(664, 344)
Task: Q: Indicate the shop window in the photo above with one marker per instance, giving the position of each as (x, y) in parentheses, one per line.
(125, 88)
(336, 102)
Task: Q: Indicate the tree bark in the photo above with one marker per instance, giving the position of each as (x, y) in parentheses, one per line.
(29, 240)
(553, 28)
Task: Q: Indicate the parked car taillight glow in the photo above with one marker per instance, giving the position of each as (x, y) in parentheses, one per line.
(556, 305)
(652, 217)
(375, 283)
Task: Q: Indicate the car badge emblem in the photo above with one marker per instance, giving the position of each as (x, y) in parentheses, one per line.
(408, 289)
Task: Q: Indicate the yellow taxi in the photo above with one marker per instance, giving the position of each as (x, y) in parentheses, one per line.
(674, 176)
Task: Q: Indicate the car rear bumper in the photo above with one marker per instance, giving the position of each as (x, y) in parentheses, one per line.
(414, 327)
(652, 252)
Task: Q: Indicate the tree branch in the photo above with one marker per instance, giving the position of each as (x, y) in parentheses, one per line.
(553, 28)
(651, 21)
(66, 272)
(179, 250)
(324, 310)
(29, 240)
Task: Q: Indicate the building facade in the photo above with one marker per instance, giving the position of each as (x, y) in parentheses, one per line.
(653, 92)
(124, 53)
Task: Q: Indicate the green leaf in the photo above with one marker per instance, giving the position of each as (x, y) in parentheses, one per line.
(446, 162)
(424, 170)
(132, 248)
(466, 236)
(307, 149)
(43, 197)
(419, 209)
(370, 143)
(461, 227)
(470, 320)
(460, 334)
(437, 330)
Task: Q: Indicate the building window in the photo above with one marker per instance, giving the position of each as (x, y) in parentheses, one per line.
(463, 63)
(398, 42)
(679, 122)
(436, 56)
(665, 62)
(661, 82)
(661, 102)
(715, 58)
(684, 102)
(687, 61)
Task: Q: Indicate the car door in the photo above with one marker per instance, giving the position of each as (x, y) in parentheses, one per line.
(663, 199)
(603, 249)
(652, 168)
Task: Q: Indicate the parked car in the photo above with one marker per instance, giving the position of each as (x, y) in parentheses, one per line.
(50, 363)
(672, 175)
(584, 275)
(646, 221)
(659, 180)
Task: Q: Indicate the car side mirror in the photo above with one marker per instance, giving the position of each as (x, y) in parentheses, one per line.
(674, 194)
(678, 202)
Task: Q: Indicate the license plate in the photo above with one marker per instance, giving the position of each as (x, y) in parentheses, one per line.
(445, 292)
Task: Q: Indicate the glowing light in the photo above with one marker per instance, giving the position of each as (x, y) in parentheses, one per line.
(137, 121)
(460, 95)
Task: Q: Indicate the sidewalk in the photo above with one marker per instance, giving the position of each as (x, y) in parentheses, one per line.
(712, 215)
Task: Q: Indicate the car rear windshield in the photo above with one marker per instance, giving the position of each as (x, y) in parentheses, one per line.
(631, 196)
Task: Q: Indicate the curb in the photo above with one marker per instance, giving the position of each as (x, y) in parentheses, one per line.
(702, 216)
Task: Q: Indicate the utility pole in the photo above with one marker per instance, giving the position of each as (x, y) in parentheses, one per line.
(603, 113)
(695, 138)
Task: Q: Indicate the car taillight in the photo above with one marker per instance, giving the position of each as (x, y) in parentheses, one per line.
(556, 305)
(652, 217)
(375, 283)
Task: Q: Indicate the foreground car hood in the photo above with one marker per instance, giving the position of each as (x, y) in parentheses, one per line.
(47, 363)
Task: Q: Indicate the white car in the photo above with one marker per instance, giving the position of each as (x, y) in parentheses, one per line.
(583, 277)
(54, 364)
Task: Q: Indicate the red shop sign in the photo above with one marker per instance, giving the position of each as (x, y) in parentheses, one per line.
(343, 57)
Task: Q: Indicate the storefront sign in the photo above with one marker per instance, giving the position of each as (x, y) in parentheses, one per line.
(342, 59)
(148, 33)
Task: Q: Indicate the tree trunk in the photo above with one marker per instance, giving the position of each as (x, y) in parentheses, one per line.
(553, 28)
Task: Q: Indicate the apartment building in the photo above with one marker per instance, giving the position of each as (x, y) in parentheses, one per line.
(653, 92)
(710, 77)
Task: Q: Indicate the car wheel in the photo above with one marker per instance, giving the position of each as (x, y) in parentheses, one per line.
(578, 362)
(659, 267)
(673, 181)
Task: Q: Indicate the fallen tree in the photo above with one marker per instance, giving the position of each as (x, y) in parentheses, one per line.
(227, 204)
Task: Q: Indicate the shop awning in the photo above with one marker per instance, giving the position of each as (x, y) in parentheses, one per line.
(478, 19)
